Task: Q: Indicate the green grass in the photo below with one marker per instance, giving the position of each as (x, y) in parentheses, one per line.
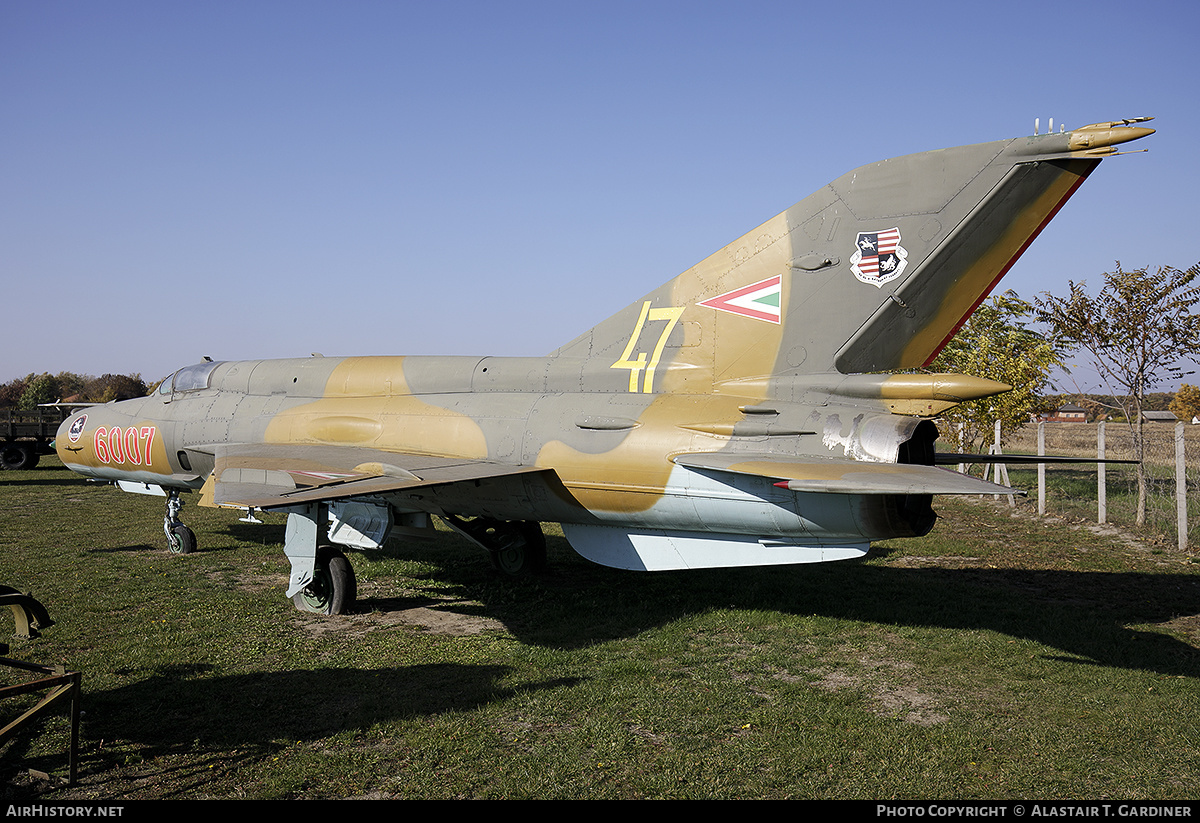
(999, 657)
(1073, 492)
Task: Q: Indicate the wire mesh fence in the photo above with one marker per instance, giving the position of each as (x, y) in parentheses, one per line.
(1108, 492)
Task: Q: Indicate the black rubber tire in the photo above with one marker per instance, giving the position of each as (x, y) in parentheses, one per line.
(182, 540)
(18, 457)
(333, 589)
(524, 554)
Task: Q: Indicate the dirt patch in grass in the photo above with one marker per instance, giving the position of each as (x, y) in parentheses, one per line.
(449, 616)
(440, 619)
(378, 608)
(881, 681)
(1121, 536)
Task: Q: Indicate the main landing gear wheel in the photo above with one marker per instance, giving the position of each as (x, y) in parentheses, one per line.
(181, 539)
(517, 547)
(333, 588)
(520, 549)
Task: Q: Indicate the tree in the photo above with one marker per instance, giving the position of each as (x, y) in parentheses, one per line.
(10, 392)
(44, 388)
(1186, 405)
(1136, 332)
(33, 389)
(997, 343)
(71, 384)
(109, 387)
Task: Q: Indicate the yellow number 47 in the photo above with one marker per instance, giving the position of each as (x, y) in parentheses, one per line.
(639, 365)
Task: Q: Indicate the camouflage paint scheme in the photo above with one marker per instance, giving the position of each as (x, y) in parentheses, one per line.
(740, 414)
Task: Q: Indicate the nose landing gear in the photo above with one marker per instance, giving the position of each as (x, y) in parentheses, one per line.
(180, 539)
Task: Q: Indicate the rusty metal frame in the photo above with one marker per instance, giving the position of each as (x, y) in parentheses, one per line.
(61, 686)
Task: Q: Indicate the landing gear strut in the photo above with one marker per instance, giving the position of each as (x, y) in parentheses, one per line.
(322, 580)
(517, 548)
(180, 539)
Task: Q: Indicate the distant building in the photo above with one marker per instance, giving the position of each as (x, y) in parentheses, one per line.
(1159, 417)
(1067, 414)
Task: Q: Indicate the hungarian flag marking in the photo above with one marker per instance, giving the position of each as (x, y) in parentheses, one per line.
(761, 300)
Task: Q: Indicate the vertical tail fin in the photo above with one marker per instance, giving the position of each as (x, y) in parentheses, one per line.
(874, 272)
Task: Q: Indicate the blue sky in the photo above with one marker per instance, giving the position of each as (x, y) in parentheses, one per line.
(269, 179)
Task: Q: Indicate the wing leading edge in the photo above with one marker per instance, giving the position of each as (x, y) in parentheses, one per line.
(265, 476)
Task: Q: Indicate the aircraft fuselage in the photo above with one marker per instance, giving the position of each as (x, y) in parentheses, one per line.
(609, 468)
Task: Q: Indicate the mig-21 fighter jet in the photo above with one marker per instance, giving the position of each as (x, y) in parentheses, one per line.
(764, 407)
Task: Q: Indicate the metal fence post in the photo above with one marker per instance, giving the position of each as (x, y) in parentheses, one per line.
(1180, 488)
(962, 468)
(1041, 467)
(1001, 470)
(996, 450)
(1101, 477)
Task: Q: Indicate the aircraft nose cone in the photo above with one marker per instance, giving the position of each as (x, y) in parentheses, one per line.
(69, 436)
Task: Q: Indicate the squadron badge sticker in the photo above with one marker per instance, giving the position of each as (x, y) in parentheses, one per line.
(76, 430)
(879, 257)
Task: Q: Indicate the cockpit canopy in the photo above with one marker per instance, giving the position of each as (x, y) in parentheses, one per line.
(189, 378)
